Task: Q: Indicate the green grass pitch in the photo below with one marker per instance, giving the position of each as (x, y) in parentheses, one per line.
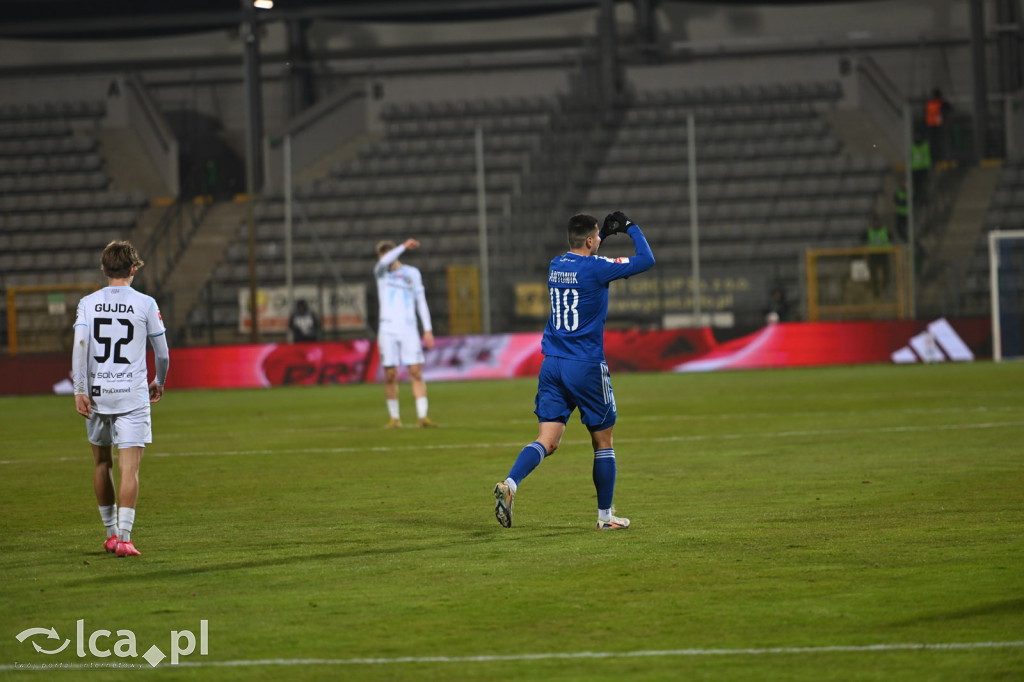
(784, 522)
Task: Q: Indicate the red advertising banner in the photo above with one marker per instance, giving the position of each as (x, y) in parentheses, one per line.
(518, 355)
(844, 343)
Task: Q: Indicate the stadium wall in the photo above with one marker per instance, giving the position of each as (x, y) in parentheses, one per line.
(920, 45)
(506, 356)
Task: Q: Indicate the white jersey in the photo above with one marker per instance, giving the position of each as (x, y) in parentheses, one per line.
(401, 295)
(118, 322)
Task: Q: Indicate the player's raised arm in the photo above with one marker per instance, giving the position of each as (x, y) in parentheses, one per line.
(388, 257)
(642, 259)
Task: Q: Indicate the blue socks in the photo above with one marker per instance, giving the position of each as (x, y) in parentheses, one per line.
(604, 477)
(604, 470)
(532, 455)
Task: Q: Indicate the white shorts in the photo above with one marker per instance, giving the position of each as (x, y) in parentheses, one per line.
(129, 430)
(396, 349)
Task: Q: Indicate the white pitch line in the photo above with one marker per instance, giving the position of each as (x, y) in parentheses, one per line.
(518, 444)
(768, 651)
(724, 416)
(950, 646)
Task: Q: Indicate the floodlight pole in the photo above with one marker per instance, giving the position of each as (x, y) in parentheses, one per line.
(691, 153)
(289, 279)
(908, 143)
(481, 212)
(253, 136)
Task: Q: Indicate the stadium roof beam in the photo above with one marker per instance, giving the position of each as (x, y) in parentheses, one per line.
(54, 18)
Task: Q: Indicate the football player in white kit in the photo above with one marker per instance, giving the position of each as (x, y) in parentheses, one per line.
(109, 370)
(401, 296)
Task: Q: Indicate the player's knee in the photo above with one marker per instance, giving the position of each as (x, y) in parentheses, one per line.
(103, 456)
(603, 434)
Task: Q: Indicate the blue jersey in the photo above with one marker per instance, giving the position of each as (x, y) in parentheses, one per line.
(578, 287)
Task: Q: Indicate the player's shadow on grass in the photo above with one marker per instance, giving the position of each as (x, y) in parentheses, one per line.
(1007, 607)
(474, 534)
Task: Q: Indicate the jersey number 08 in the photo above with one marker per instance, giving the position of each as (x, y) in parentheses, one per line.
(564, 314)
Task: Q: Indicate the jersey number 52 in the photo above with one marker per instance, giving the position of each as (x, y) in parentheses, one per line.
(564, 314)
(104, 340)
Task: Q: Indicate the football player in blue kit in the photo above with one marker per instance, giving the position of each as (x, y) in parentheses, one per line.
(574, 374)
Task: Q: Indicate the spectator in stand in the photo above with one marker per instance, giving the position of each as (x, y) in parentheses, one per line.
(877, 236)
(303, 323)
(778, 306)
(899, 200)
(920, 166)
(936, 113)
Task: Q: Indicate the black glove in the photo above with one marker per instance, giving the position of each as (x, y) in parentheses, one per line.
(614, 223)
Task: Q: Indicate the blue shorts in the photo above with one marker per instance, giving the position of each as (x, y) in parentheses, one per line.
(564, 385)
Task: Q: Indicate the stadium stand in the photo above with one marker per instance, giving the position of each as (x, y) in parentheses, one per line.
(418, 181)
(56, 206)
(1005, 213)
(773, 179)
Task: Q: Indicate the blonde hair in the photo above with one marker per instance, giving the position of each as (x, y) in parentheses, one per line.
(384, 246)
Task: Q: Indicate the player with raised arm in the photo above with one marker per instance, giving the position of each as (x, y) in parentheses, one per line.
(401, 296)
(573, 373)
(108, 366)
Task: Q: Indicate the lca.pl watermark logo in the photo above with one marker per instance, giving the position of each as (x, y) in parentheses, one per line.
(183, 643)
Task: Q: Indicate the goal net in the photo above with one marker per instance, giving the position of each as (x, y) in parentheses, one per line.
(856, 283)
(1006, 272)
(40, 317)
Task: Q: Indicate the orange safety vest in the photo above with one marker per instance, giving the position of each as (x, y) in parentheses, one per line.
(933, 113)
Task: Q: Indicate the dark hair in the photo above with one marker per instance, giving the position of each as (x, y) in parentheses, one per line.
(118, 259)
(581, 226)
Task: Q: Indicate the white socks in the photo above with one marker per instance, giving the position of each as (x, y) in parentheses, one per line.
(511, 484)
(125, 521)
(604, 514)
(109, 516)
(421, 408)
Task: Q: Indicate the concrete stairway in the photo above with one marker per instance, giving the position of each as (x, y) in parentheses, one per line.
(129, 168)
(206, 248)
(950, 249)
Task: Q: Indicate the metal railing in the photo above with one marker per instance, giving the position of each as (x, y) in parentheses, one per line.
(170, 238)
